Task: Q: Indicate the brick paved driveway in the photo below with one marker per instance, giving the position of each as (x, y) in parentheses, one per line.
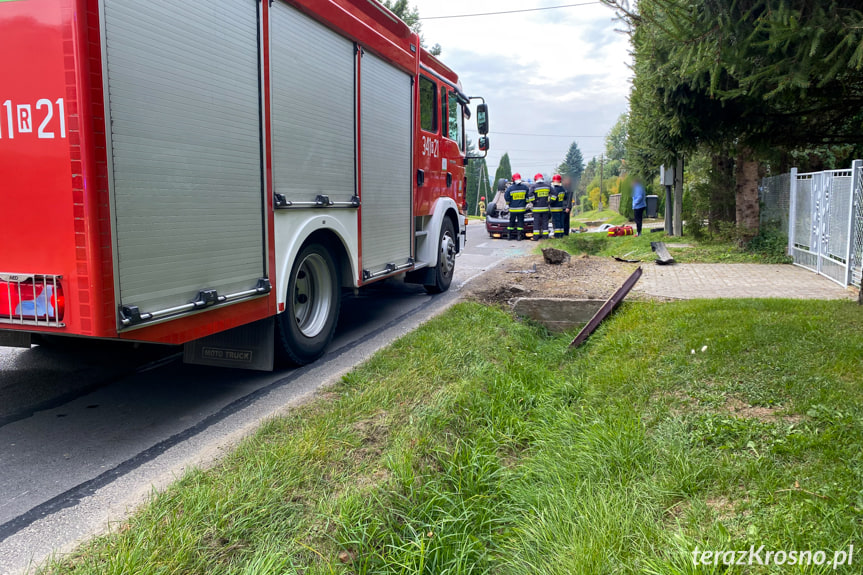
(690, 281)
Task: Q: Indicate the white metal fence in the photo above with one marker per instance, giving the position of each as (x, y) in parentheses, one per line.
(857, 227)
(775, 199)
(825, 230)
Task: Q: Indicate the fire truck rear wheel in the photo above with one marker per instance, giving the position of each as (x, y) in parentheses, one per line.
(446, 259)
(306, 327)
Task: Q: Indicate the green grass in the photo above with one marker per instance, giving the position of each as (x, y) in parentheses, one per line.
(478, 444)
(607, 216)
(638, 248)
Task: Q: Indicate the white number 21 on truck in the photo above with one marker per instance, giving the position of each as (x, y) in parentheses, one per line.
(215, 173)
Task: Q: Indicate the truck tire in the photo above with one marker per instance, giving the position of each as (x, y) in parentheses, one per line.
(306, 327)
(446, 259)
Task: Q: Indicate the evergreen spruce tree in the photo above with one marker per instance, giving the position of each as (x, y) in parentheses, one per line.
(573, 165)
(504, 169)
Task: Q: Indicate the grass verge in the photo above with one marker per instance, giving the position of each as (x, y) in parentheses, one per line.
(478, 444)
(606, 216)
(638, 248)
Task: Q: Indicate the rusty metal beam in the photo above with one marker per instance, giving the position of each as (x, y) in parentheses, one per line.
(606, 309)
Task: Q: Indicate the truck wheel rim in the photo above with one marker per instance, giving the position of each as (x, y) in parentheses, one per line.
(312, 295)
(447, 253)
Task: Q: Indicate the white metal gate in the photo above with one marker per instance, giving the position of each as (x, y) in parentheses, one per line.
(822, 221)
(857, 227)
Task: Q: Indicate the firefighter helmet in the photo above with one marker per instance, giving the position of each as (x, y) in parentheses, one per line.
(556, 178)
(516, 177)
(537, 178)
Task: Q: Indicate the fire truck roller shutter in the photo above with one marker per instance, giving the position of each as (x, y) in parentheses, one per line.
(187, 199)
(314, 148)
(386, 156)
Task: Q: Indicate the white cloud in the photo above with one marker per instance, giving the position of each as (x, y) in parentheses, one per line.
(560, 71)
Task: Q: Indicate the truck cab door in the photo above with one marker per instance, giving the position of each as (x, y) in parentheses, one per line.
(428, 147)
(454, 148)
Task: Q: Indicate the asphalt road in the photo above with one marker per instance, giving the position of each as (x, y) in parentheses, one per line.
(87, 433)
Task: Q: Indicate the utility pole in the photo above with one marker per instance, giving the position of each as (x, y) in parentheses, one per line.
(678, 197)
(666, 177)
(601, 160)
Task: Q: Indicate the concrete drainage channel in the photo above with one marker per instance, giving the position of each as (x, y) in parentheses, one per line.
(557, 314)
(563, 314)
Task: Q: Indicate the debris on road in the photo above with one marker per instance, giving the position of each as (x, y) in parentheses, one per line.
(663, 257)
(581, 278)
(530, 271)
(555, 256)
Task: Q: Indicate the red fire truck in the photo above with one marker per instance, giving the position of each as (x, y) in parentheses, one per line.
(215, 173)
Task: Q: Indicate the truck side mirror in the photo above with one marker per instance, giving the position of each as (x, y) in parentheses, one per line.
(483, 144)
(482, 119)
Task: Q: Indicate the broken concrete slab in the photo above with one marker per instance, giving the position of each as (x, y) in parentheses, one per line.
(557, 314)
(663, 257)
(555, 256)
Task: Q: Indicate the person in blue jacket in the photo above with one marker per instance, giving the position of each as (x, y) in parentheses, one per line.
(639, 203)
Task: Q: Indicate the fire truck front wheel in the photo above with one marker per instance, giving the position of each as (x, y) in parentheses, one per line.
(446, 259)
(306, 327)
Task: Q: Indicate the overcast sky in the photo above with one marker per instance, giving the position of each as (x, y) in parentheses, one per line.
(560, 71)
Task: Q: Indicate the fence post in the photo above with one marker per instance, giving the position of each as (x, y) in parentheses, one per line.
(856, 166)
(792, 209)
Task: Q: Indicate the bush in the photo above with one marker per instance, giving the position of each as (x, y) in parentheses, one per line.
(729, 232)
(626, 199)
(660, 197)
(770, 243)
(586, 205)
(695, 227)
(693, 220)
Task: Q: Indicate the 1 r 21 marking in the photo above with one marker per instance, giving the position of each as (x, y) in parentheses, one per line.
(21, 119)
(431, 147)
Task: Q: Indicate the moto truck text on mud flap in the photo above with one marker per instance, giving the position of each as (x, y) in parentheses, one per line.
(214, 173)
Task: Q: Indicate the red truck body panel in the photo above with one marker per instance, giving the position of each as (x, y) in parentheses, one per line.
(50, 217)
(55, 212)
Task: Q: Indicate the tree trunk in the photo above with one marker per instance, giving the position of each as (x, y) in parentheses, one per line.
(746, 198)
(722, 191)
(784, 161)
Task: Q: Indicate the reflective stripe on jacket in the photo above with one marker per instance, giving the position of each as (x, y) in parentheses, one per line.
(558, 198)
(539, 194)
(516, 197)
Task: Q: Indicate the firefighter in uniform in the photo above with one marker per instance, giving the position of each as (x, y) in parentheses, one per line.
(516, 199)
(539, 195)
(482, 206)
(567, 209)
(558, 206)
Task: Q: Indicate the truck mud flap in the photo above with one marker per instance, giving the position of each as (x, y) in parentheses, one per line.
(249, 346)
(423, 276)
